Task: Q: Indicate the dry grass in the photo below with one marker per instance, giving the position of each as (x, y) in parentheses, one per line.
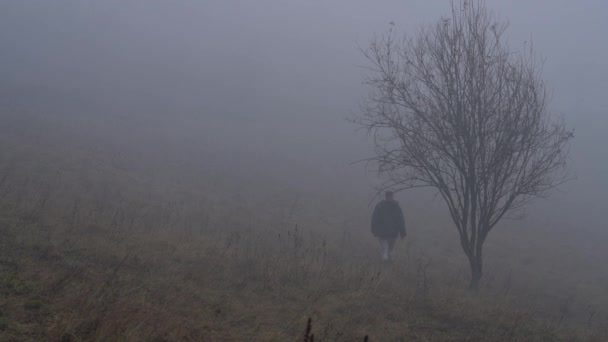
(237, 283)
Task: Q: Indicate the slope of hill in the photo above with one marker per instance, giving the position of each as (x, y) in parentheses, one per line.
(112, 231)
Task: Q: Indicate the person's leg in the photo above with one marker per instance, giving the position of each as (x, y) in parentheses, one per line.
(384, 249)
(390, 245)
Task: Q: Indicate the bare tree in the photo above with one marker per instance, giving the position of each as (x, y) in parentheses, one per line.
(454, 108)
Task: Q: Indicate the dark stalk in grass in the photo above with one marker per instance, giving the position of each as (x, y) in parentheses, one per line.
(308, 335)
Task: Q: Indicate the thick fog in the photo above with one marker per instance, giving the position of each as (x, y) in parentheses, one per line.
(268, 85)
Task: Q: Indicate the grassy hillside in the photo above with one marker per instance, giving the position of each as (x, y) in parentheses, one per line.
(101, 242)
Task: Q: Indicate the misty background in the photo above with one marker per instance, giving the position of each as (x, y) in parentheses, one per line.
(260, 91)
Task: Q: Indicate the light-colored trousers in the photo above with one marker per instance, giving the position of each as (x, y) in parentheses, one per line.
(386, 247)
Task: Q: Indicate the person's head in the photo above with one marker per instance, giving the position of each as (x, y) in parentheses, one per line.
(388, 195)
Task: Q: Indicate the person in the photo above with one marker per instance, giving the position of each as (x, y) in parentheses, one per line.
(388, 224)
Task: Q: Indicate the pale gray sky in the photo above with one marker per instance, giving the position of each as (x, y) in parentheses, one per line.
(282, 75)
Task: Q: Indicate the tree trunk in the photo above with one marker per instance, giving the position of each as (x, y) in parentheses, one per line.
(476, 271)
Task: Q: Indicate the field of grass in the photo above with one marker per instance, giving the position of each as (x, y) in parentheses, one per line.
(99, 243)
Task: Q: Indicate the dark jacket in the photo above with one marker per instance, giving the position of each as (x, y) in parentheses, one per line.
(387, 220)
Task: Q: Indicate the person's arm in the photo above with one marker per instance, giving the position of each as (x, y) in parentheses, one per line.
(375, 219)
